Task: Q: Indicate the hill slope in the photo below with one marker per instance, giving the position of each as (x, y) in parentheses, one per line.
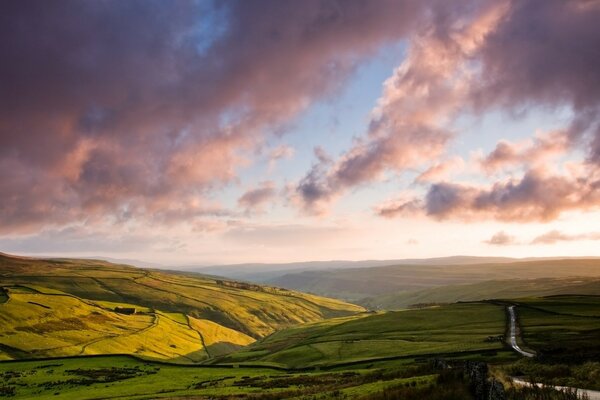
(498, 289)
(257, 272)
(67, 307)
(358, 283)
(455, 328)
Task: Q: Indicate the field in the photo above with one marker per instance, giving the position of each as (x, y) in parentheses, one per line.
(69, 307)
(122, 377)
(361, 356)
(77, 329)
(457, 329)
(561, 328)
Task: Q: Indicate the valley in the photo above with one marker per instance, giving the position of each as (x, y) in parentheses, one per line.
(88, 329)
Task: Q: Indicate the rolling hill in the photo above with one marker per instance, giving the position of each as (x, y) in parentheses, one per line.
(456, 328)
(258, 272)
(358, 283)
(56, 307)
(495, 289)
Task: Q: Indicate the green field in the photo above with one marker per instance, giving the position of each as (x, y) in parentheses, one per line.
(457, 328)
(362, 355)
(127, 378)
(561, 328)
(136, 334)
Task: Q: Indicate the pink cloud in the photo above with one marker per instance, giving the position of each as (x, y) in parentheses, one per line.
(282, 152)
(557, 236)
(441, 170)
(408, 127)
(531, 153)
(257, 198)
(501, 239)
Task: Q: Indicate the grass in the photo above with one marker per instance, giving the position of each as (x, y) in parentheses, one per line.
(495, 289)
(561, 328)
(250, 310)
(127, 378)
(585, 375)
(370, 356)
(43, 325)
(449, 329)
(57, 379)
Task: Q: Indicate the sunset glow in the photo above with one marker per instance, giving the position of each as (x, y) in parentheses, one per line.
(200, 132)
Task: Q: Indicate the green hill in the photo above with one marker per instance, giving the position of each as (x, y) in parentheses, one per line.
(358, 283)
(381, 355)
(498, 289)
(456, 328)
(55, 307)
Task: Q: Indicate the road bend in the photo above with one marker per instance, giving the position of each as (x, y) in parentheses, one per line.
(513, 333)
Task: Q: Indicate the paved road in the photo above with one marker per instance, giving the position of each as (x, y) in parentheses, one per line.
(591, 394)
(513, 333)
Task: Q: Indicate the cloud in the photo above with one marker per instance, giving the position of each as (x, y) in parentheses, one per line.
(441, 170)
(125, 108)
(278, 153)
(530, 153)
(284, 235)
(408, 128)
(80, 239)
(540, 54)
(535, 197)
(399, 207)
(509, 56)
(557, 236)
(257, 198)
(501, 239)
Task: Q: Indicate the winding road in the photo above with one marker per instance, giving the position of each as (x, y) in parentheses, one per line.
(513, 333)
(590, 394)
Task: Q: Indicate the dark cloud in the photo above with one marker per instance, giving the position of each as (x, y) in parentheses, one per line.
(545, 54)
(123, 108)
(510, 55)
(535, 197)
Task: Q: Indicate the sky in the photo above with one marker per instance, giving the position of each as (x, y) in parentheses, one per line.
(200, 132)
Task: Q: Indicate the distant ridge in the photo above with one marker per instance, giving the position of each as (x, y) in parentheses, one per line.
(266, 272)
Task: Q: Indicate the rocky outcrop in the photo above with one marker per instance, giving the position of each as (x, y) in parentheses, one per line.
(482, 387)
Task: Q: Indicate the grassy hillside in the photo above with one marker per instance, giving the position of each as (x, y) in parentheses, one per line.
(126, 378)
(355, 284)
(36, 324)
(439, 330)
(499, 289)
(367, 356)
(561, 328)
(67, 307)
